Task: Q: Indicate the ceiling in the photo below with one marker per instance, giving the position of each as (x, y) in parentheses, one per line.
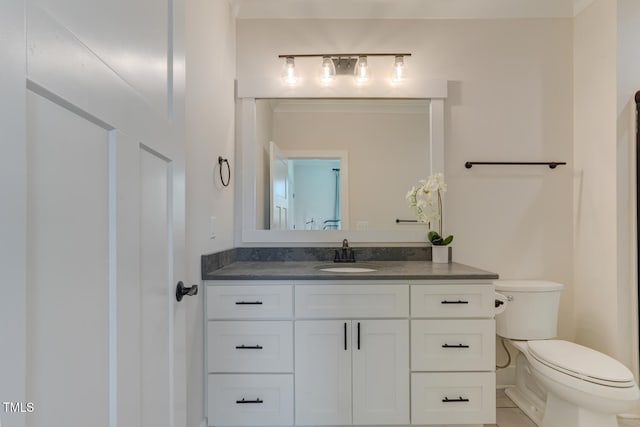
(406, 9)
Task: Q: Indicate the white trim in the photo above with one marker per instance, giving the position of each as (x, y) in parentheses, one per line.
(418, 89)
(247, 232)
(580, 5)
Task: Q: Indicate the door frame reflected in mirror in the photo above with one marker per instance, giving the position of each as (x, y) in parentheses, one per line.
(340, 156)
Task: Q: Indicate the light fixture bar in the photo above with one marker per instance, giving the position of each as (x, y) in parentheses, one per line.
(340, 55)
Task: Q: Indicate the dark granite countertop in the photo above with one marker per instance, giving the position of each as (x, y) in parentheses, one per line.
(311, 270)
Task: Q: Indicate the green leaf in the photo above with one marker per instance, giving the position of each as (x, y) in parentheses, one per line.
(437, 240)
(448, 240)
(433, 235)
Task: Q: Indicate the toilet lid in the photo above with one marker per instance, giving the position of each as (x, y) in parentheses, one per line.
(581, 362)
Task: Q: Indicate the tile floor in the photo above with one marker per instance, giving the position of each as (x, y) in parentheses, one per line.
(509, 415)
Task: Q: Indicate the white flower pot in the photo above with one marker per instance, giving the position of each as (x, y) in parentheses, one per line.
(440, 254)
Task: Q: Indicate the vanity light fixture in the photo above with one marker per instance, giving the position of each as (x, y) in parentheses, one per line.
(288, 75)
(336, 64)
(362, 70)
(328, 70)
(399, 70)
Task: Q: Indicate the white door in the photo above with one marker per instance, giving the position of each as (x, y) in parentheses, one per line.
(323, 372)
(279, 178)
(104, 227)
(380, 372)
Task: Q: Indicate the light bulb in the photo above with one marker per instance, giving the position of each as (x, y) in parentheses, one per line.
(361, 72)
(328, 70)
(399, 70)
(288, 75)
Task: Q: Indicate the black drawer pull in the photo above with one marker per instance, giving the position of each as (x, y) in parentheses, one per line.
(455, 346)
(258, 400)
(454, 302)
(459, 399)
(249, 347)
(248, 302)
(345, 335)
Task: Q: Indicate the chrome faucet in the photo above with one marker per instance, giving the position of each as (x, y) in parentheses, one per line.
(346, 255)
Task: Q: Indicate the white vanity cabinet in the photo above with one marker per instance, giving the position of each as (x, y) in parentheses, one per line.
(452, 354)
(350, 352)
(249, 336)
(354, 368)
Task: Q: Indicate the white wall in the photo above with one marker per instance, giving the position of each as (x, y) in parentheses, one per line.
(628, 82)
(210, 104)
(510, 98)
(595, 241)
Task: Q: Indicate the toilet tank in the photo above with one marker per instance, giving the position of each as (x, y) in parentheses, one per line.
(532, 310)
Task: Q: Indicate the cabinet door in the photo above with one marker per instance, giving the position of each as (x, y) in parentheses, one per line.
(380, 351)
(323, 372)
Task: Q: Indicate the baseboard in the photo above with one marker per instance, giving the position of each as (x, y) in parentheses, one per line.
(506, 377)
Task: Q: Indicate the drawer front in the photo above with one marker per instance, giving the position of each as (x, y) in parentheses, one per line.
(249, 302)
(453, 345)
(453, 398)
(260, 346)
(250, 400)
(352, 301)
(453, 301)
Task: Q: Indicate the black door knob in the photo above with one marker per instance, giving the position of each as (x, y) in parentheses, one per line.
(182, 290)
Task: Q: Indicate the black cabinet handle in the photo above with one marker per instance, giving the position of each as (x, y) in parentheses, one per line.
(459, 399)
(249, 347)
(345, 335)
(455, 346)
(454, 302)
(248, 302)
(358, 335)
(258, 400)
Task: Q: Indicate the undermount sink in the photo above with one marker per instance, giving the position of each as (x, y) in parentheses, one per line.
(347, 269)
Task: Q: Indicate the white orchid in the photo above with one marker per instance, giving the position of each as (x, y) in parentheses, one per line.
(426, 201)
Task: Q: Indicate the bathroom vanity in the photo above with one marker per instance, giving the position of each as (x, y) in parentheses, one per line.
(408, 343)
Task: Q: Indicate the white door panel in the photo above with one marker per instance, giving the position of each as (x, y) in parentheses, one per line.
(13, 214)
(156, 282)
(279, 178)
(60, 62)
(105, 214)
(380, 372)
(323, 372)
(135, 49)
(68, 266)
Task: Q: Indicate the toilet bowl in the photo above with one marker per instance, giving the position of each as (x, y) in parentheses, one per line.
(559, 383)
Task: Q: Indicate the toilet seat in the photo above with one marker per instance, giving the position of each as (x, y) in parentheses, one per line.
(581, 363)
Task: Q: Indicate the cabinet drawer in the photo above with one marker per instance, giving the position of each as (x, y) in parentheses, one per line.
(453, 398)
(261, 346)
(453, 345)
(352, 301)
(455, 301)
(250, 400)
(249, 302)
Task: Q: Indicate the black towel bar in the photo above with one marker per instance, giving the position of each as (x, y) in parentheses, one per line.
(552, 165)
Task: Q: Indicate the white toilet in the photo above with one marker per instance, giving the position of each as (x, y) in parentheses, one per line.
(559, 383)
